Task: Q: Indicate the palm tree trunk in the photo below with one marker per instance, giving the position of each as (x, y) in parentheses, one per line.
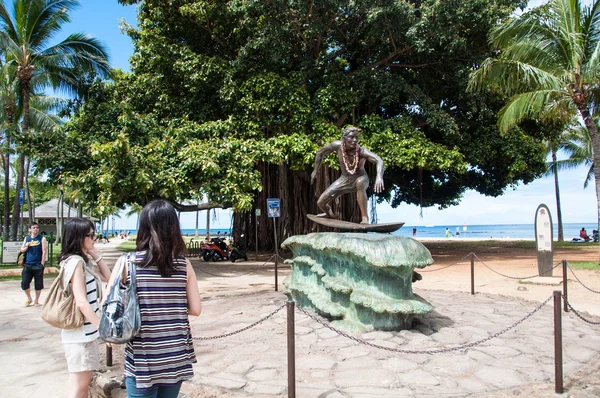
(557, 192)
(6, 214)
(28, 193)
(16, 216)
(595, 138)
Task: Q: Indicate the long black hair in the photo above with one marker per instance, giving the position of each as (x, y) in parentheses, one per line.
(159, 235)
(74, 233)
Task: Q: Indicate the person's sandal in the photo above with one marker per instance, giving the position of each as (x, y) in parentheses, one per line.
(37, 304)
(28, 303)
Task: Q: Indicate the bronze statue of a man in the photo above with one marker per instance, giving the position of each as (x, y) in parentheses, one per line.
(354, 178)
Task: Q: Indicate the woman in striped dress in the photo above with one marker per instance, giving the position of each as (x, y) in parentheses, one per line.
(160, 357)
(81, 344)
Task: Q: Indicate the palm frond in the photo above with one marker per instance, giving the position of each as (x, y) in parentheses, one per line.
(529, 105)
(589, 177)
(510, 77)
(45, 19)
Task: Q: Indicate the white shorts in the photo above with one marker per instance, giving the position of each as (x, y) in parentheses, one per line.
(82, 357)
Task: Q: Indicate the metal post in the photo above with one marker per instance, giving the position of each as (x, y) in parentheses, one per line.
(558, 370)
(291, 350)
(109, 361)
(256, 235)
(473, 273)
(276, 253)
(564, 267)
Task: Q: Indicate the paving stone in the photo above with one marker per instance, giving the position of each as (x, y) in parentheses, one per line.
(498, 377)
(315, 362)
(472, 384)
(265, 388)
(418, 377)
(261, 375)
(373, 392)
(399, 364)
(240, 367)
(228, 381)
(352, 352)
(364, 377)
(376, 336)
(580, 354)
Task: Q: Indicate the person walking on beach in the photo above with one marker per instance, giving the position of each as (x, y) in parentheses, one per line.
(160, 357)
(448, 232)
(35, 247)
(81, 345)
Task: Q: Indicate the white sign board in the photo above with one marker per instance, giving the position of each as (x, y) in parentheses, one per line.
(10, 251)
(543, 229)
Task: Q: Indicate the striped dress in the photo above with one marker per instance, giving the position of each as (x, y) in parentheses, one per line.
(163, 352)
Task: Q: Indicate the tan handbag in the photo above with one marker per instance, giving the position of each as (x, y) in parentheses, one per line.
(60, 309)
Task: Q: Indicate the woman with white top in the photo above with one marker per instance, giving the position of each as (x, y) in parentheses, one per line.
(78, 255)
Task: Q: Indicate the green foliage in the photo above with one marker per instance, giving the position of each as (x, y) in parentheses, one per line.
(219, 88)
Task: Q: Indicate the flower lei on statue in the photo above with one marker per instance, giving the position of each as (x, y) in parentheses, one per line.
(354, 165)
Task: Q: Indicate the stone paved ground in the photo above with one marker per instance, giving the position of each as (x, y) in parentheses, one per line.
(253, 363)
(519, 362)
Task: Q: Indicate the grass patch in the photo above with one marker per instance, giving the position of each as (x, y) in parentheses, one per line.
(585, 265)
(507, 244)
(18, 277)
(127, 246)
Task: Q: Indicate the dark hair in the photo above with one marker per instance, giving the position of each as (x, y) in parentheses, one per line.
(159, 235)
(349, 130)
(74, 233)
(33, 223)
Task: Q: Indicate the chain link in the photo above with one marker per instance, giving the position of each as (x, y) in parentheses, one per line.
(225, 276)
(244, 328)
(577, 312)
(439, 269)
(438, 351)
(579, 280)
(508, 276)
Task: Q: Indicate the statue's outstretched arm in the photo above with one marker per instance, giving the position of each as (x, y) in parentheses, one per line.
(321, 153)
(373, 158)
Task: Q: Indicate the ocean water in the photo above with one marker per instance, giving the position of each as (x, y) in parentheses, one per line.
(498, 231)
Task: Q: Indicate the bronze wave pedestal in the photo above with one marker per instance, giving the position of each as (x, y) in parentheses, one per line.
(361, 281)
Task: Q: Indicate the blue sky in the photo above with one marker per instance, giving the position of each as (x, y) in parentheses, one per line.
(517, 206)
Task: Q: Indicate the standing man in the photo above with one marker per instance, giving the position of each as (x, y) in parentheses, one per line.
(34, 247)
(354, 178)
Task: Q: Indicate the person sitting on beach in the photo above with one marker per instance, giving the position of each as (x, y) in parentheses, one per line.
(583, 235)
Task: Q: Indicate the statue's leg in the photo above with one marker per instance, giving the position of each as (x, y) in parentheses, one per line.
(323, 203)
(362, 183)
(330, 194)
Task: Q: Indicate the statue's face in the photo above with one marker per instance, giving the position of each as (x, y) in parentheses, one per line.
(351, 139)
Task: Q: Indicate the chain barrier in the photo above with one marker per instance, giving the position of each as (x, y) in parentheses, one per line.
(446, 266)
(577, 312)
(579, 280)
(437, 351)
(244, 328)
(225, 276)
(508, 276)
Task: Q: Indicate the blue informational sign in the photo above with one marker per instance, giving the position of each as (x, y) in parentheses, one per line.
(22, 196)
(273, 207)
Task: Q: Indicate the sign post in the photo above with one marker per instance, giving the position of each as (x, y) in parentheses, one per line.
(256, 215)
(543, 240)
(274, 211)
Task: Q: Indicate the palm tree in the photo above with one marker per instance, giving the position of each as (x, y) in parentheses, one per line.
(549, 63)
(579, 151)
(25, 37)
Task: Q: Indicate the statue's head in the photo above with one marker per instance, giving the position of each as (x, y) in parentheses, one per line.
(350, 129)
(350, 136)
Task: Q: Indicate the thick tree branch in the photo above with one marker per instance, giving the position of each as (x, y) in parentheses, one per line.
(201, 206)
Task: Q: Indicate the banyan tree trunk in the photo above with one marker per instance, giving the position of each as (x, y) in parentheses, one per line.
(298, 198)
